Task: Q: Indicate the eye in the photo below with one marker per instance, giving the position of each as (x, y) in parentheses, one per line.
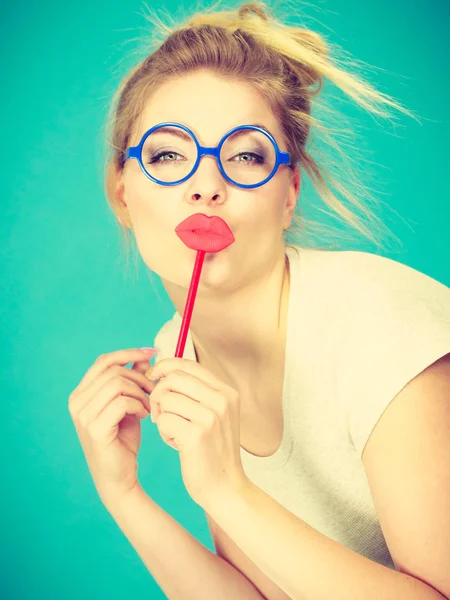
(156, 158)
(258, 159)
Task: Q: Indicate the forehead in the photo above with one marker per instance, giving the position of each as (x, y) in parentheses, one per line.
(209, 105)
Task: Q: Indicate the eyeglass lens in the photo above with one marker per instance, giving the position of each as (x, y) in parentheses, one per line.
(169, 155)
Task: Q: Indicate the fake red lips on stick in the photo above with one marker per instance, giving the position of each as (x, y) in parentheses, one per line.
(204, 234)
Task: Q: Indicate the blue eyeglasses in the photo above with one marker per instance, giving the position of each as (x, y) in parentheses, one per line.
(175, 140)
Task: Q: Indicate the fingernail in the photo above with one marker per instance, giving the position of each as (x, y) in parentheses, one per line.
(150, 351)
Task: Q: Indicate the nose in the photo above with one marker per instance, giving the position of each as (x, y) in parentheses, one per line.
(207, 182)
(208, 166)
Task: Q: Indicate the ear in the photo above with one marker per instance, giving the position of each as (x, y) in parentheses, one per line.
(292, 199)
(115, 191)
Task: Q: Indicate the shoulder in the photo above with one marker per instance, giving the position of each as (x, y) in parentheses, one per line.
(166, 338)
(374, 280)
(354, 269)
(397, 323)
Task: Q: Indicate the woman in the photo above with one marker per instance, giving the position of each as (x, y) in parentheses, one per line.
(309, 410)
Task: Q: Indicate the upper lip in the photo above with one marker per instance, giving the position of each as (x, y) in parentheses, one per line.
(202, 222)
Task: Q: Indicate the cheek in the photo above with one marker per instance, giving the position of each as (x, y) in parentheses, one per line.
(154, 220)
(269, 209)
(148, 207)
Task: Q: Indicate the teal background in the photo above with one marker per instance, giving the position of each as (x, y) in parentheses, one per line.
(65, 294)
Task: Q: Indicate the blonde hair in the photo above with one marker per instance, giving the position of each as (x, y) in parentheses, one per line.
(289, 66)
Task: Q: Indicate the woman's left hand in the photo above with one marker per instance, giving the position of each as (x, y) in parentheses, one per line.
(201, 415)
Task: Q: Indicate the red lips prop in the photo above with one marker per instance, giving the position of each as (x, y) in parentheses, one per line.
(204, 234)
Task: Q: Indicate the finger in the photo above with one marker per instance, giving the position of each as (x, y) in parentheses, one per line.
(169, 440)
(178, 431)
(142, 365)
(77, 402)
(154, 411)
(154, 407)
(149, 374)
(187, 409)
(104, 428)
(167, 365)
(104, 361)
(190, 386)
(113, 388)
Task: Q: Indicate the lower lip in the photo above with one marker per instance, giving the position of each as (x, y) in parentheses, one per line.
(211, 241)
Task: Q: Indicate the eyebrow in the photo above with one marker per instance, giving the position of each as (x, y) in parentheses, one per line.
(177, 131)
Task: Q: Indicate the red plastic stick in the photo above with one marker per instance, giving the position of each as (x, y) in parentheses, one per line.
(187, 313)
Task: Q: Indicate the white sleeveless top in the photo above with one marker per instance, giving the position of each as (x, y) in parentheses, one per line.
(360, 327)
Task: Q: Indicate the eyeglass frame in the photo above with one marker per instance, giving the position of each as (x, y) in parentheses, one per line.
(281, 158)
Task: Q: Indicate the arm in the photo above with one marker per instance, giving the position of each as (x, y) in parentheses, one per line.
(303, 562)
(407, 463)
(183, 568)
(227, 549)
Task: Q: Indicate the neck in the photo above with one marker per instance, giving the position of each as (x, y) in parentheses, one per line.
(239, 336)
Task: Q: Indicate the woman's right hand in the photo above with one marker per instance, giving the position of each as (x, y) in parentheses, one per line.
(106, 408)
